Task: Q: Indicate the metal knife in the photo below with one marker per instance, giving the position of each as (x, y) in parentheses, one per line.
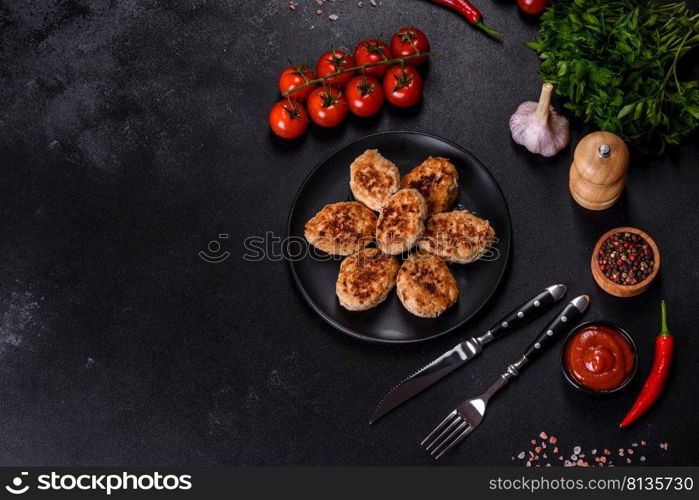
(454, 358)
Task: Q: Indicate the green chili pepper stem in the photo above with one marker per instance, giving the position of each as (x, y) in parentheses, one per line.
(663, 314)
(490, 31)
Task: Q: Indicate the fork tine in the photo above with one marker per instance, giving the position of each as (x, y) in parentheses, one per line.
(456, 441)
(446, 432)
(456, 419)
(438, 428)
(463, 425)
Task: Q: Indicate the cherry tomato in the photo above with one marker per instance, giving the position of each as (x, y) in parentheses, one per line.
(408, 41)
(327, 106)
(288, 119)
(332, 62)
(373, 51)
(364, 95)
(402, 86)
(532, 6)
(292, 77)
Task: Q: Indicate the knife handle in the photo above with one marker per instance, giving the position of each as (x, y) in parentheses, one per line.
(528, 311)
(565, 320)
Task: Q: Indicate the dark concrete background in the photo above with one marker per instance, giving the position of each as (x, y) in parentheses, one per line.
(133, 132)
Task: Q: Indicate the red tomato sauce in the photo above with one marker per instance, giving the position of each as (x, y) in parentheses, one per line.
(599, 358)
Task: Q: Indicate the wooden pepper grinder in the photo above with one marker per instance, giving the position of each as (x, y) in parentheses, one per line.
(599, 170)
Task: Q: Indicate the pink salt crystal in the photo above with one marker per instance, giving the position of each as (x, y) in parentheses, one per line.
(543, 435)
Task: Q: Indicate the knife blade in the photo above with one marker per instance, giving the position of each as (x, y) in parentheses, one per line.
(466, 350)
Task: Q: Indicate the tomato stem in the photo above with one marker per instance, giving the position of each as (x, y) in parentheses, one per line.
(394, 60)
(293, 110)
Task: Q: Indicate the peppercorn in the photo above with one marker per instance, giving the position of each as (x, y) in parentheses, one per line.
(625, 258)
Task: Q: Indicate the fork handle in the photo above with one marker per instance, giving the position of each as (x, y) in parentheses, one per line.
(570, 314)
(528, 311)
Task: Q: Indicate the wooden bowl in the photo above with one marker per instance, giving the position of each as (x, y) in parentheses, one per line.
(624, 290)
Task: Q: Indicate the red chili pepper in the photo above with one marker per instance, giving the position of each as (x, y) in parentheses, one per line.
(655, 382)
(470, 12)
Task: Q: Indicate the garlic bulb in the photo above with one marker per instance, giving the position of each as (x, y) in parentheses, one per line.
(538, 127)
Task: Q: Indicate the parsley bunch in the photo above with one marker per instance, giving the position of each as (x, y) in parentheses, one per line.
(615, 62)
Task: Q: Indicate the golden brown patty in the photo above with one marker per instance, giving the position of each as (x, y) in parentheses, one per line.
(365, 279)
(401, 222)
(425, 285)
(373, 179)
(438, 182)
(457, 236)
(341, 228)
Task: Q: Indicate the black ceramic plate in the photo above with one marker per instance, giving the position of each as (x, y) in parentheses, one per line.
(315, 273)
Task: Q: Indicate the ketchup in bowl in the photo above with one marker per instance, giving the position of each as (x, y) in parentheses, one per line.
(599, 357)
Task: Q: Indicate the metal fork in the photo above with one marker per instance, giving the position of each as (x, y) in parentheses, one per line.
(469, 414)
